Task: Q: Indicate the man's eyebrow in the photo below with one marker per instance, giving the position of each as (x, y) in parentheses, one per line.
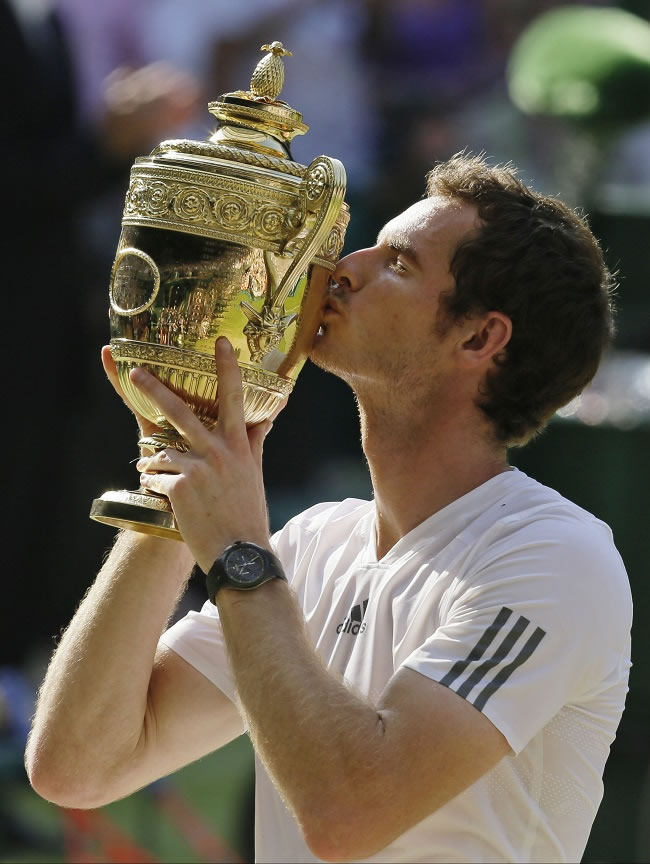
(400, 243)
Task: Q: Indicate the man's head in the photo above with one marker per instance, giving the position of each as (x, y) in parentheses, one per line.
(379, 323)
(483, 294)
(536, 261)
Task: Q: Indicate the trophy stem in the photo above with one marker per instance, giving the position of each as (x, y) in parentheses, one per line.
(138, 510)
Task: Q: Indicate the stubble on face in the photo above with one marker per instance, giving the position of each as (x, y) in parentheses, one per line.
(405, 353)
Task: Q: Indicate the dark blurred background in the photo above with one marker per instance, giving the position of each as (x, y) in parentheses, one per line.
(563, 91)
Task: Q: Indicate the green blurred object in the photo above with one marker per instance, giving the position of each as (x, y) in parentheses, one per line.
(587, 65)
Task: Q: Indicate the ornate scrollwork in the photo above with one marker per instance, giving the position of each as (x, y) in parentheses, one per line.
(233, 211)
(269, 222)
(157, 196)
(330, 251)
(192, 204)
(130, 351)
(215, 206)
(316, 182)
(333, 245)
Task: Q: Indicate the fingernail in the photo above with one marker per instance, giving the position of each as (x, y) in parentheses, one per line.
(268, 429)
(140, 464)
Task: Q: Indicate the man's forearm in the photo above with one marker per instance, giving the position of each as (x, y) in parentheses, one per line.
(306, 724)
(91, 709)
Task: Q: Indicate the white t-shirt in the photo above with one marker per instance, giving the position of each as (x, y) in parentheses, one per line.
(513, 597)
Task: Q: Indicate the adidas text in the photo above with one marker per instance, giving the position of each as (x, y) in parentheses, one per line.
(350, 626)
(354, 623)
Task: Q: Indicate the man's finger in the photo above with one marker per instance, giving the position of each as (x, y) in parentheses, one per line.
(169, 461)
(161, 483)
(229, 391)
(172, 406)
(256, 437)
(109, 367)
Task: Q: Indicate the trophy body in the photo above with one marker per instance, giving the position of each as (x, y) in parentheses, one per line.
(227, 237)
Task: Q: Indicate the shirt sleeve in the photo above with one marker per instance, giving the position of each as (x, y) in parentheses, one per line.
(541, 620)
(198, 639)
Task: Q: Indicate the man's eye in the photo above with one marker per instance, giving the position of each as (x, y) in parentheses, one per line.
(396, 266)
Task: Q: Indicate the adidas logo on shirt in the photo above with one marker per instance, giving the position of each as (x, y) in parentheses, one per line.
(354, 623)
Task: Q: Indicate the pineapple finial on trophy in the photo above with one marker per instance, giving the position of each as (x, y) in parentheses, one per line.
(268, 76)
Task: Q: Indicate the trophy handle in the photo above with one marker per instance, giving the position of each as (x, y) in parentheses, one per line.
(322, 191)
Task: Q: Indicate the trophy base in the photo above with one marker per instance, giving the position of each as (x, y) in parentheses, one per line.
(136, 511)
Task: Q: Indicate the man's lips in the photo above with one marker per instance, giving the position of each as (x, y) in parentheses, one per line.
(332, 306)
(331, 310)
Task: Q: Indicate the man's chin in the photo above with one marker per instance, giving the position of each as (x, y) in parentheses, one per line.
(330, 362)
(321, 353)
(317, 344)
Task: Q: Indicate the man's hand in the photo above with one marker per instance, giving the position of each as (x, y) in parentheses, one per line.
(146, 427)
(216, 489)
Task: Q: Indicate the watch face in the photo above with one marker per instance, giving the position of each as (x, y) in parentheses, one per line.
(244, 565)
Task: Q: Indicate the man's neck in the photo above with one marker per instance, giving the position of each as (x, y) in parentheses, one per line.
(417, 469)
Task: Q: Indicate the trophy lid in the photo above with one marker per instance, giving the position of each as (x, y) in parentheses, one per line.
(242, 185)
(256, 119)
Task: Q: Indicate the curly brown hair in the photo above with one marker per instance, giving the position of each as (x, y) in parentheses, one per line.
(535, 260)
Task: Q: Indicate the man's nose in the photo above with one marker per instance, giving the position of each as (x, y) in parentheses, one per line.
(350, 271)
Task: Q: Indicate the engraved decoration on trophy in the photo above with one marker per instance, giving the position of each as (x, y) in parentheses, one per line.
(225, 237)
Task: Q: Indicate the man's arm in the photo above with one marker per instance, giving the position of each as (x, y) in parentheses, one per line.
(114, 713)
(355, 774)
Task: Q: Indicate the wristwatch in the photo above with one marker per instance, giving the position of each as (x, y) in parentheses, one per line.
(242, 565)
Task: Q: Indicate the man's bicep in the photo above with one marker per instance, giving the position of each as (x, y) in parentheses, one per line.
(187, 716)
(439, 743)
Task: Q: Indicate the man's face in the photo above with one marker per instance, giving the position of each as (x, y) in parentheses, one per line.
(379, 325)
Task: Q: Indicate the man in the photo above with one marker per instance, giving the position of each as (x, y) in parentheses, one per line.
(445, 675)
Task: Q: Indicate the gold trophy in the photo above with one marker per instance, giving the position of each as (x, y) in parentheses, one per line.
(227, 237)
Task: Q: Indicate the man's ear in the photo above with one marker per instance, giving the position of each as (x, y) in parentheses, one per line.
(484, 338)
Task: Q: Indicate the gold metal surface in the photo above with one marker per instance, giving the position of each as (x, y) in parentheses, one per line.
(226, 237)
